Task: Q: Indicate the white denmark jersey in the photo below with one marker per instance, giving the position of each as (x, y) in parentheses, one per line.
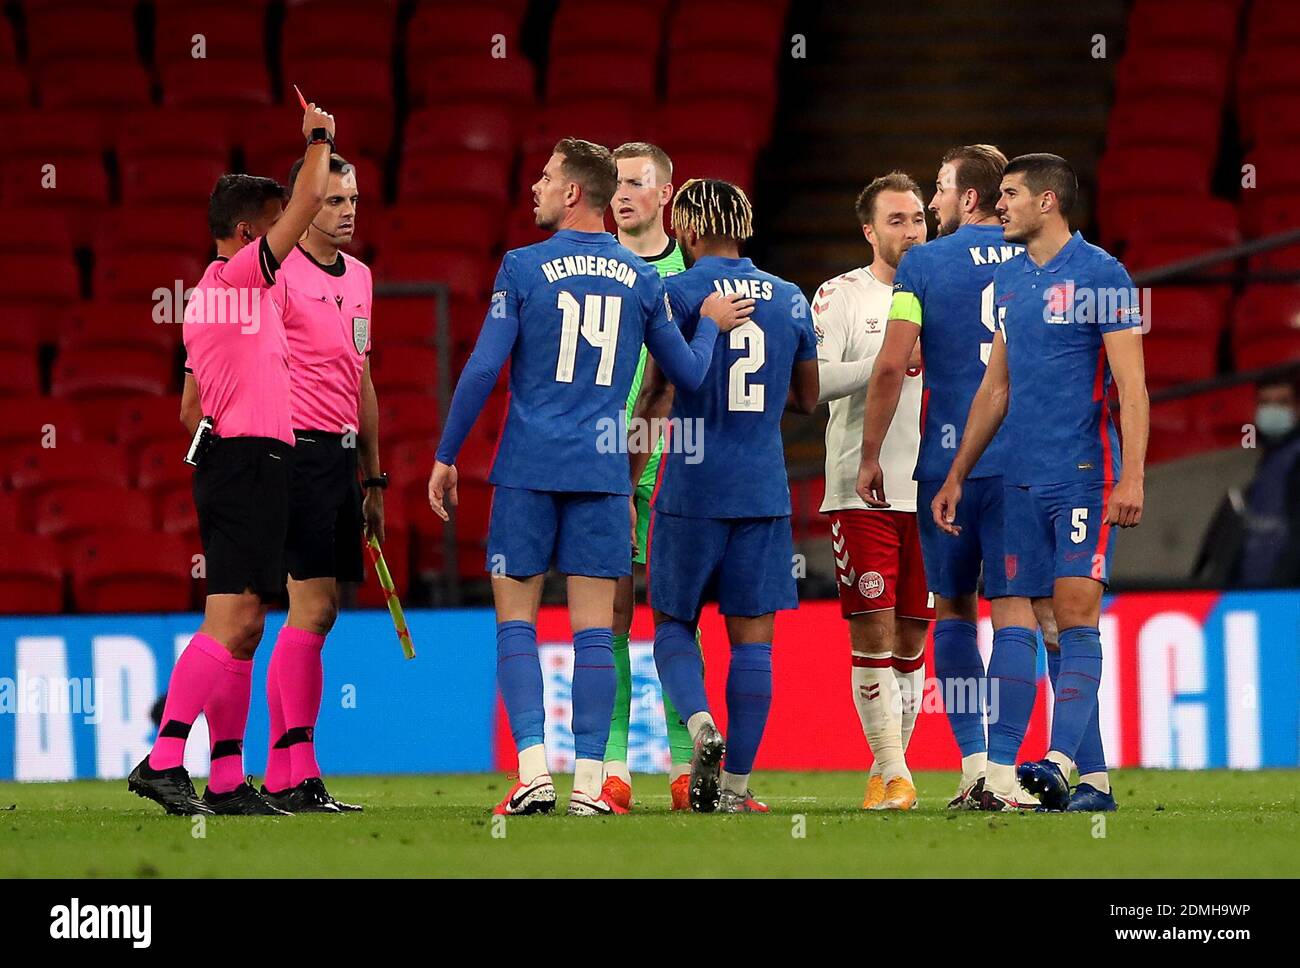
(849, 317)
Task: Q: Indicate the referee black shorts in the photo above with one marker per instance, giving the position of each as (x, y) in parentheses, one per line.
(241, 493)
(325, 520)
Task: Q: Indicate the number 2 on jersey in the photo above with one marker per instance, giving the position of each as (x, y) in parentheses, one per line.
(597, 320)
(748, 338)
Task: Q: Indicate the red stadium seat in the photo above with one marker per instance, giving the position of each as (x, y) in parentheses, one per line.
(623, 75)
(100, 373)
(42, 232)
(581, 26)
(10, 516)
(475, 224)
(1173, 358)
(1263, 72)
(470, 126)
(15, 88)
(1177, 120)
(1209, 221)
(1141, 170)
(464, 272)
(1266, 311)
(1272, 23)
(454, 175)
(735, 168)
(605, 120)
(1220, 415)
(28, 324)
(725, 26)
(474, 77)
(521, 226)
(173, 131)
(1153, 24)
(1267, 213)
(52, 279)
(694, 125)
(1142, 255)
(63, 133)
(1280, 115)
(78, 32)
(1171, 426)
(172, 179)
(161, 467)
(146, 420)
(40, 469)
(103, 324)
(310, 28)
(175, 512)
(229, 29)
(101, 84)
(216, 82)
(1195, 70)
(437, 30)
(8, 49)
(1183, 309)
(406, 367)
(724, 74)
(358, 91)
(31, 575)
(404, 319)
(30, 422)
(131, 276)
(72, 180)
(154, 228)
(116, 571)
(71, 512)
(19, 373)
(409, 417)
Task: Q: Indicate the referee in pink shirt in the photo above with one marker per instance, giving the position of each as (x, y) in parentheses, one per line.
(335, 417)
(238, 355)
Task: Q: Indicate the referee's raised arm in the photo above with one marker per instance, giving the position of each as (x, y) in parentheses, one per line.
(309, 188)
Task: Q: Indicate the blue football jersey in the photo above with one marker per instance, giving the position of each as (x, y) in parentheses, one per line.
(584, 306)
(1058, 427)
(946, 287)
(728, 459)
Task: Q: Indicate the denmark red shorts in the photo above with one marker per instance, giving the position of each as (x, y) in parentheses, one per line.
(878, 563)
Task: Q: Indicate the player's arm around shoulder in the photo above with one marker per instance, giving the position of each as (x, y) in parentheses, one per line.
(1122, 338)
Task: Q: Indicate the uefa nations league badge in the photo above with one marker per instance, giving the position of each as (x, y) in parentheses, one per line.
(360, 333)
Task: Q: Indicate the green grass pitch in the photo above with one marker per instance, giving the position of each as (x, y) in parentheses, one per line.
(1206, 824)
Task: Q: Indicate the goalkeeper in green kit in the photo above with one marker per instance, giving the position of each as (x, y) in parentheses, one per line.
(644, 190)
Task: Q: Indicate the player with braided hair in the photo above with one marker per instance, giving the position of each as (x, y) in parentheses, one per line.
(721, 521)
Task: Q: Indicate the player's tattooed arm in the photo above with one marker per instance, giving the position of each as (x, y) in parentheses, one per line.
(884, 387)
(308, 190)
(1124, 351)
(987, 412)
(191, 408)
(653, 404)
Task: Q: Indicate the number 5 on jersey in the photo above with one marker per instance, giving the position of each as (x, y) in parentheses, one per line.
(597, 319)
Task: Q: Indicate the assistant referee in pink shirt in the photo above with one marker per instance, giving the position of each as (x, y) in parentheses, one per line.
(238, 355)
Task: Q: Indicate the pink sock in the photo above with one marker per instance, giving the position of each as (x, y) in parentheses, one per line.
(301, 676)
(227, 712)
(277, 757)
(197, 671)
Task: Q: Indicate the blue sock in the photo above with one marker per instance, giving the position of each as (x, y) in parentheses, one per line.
(680, 667)
(593, 692)
(519, 675)
(1076, 690)
(1013, 687)
(749, 697)
(1091, 757)
(960, 671)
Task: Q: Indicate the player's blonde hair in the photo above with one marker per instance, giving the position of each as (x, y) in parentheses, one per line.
(712, 207)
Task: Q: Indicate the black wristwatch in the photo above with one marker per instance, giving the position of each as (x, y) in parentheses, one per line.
(321, 136)
(380, 482)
